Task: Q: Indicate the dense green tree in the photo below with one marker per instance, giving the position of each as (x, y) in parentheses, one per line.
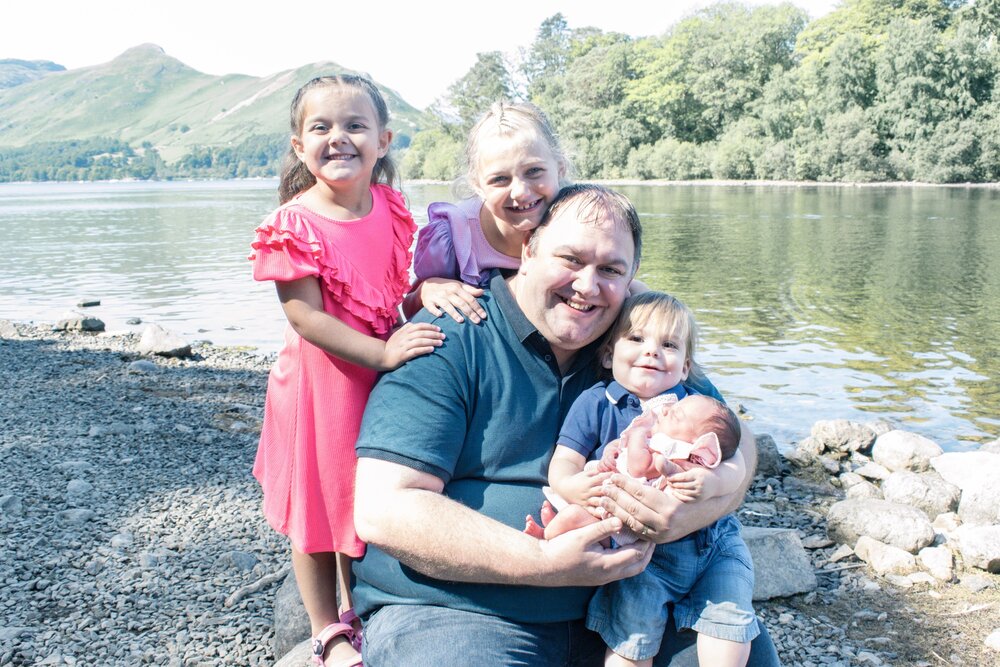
(487, 82)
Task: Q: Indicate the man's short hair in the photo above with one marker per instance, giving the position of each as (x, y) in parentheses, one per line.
(595, 201)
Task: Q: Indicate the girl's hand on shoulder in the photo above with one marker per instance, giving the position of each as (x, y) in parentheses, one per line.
(409, 341)
(689, 485)
(458, 300)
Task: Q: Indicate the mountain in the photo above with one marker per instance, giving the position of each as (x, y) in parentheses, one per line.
(14, 72)
(144, 95)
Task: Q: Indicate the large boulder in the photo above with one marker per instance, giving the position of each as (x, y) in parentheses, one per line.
(768, 458)
(781, 565)
(926, 491)
(74, 321)
(291, 622)
(902, 450)
(979, 546)
(885, 559)
(841, 435)
(897, 525)
(157, 340)
(976, 474)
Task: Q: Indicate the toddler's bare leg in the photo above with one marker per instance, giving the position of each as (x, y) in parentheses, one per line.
(722, 652)
(612, 659)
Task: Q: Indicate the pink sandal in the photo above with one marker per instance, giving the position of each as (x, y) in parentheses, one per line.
(326, 635)
(349, 618)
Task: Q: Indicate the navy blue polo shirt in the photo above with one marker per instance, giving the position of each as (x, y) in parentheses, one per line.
(481, 413)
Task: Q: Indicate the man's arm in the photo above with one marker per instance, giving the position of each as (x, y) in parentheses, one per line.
(402, 511)
(664, 517)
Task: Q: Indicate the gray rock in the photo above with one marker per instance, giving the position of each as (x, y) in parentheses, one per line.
(122, 540)
(873, 471)
(976, 474)
(88, 303)
(157, 340)
(768, 458)
(938, 561)
(299, 655)
(992, 640)
(979, 546)
(945, 523)
(897, 525)
(864, 490)
(781, 565)
(849, 479)
(13, 632)
(902, 450)
(8, 330)
(143, 366)
(926, 491)
(240, 560)
(843, 435)
(885, 559)
(76, 515)
(11, 505)
(989, 447)
(291, 622)
(976, 582)
(78, 492)
(73, 321)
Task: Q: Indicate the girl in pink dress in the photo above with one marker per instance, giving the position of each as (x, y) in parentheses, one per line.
(338, 251)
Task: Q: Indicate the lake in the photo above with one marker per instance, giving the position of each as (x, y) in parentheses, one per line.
(815, 302)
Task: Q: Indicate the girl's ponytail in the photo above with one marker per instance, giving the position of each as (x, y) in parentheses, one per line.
(295, 177)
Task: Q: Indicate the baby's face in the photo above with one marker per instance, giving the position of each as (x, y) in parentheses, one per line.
(687, 418)
(648, 360)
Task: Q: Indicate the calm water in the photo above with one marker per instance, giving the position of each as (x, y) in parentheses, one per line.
(815, 302)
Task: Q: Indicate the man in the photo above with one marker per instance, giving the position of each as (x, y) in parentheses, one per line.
(454, 450)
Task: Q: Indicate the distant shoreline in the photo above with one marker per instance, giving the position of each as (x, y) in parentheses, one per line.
(609, 182)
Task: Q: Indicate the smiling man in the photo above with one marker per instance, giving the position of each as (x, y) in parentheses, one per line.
(453, 454)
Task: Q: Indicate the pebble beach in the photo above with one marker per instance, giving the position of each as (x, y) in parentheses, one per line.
(131, 533)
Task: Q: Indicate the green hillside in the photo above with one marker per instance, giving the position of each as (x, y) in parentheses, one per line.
(151, 102)
(14, 72)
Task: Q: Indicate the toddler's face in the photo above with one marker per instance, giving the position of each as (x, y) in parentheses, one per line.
(518, 178)
(647, 360)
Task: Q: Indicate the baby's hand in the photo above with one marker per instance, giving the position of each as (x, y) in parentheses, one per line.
(440, 295)
(409, 341)
(689, 485)
(583, 488)
(609, 459)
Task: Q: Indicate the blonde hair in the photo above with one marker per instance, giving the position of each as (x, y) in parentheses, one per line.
(507, 119)
(295, 176)
(665, 311)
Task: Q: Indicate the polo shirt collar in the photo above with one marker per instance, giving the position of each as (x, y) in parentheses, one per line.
(615, 392)
(523, 328)
(525, 331)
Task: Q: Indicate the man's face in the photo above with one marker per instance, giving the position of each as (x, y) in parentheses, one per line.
(572, 285)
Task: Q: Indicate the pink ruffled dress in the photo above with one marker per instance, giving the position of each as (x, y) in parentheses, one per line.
(305, 461)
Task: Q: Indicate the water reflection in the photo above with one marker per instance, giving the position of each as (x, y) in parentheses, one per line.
(816, 302)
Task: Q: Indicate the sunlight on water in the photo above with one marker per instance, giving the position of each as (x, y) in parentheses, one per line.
(814, 302)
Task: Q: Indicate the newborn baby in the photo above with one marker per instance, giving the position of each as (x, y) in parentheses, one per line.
(668, 439)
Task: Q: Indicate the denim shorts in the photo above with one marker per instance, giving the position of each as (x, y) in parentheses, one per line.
(708, 576)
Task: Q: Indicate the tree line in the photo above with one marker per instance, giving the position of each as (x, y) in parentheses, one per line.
(876, 90)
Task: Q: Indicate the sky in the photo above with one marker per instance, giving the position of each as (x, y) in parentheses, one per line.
(416, 48)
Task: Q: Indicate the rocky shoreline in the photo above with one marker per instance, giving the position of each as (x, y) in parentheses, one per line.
(130, 529)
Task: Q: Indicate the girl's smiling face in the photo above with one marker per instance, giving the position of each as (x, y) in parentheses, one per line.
(340, 139)
(518, 175)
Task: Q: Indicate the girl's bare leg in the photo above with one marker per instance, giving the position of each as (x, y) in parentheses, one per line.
(316, 575)
(722, 652)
